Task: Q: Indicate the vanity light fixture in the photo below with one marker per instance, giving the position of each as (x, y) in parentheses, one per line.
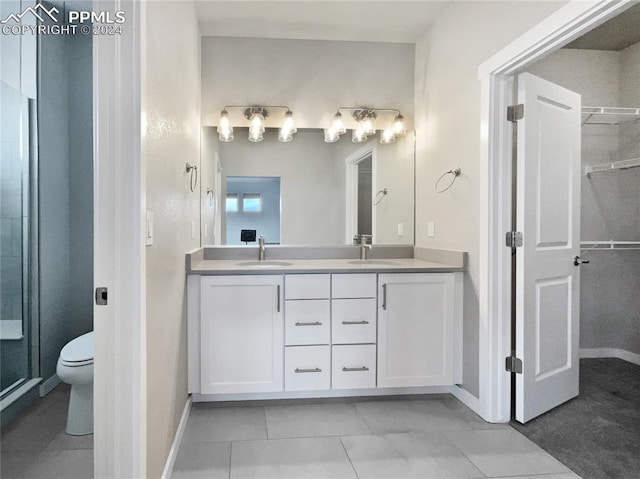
(256, 115)
(331, 135)
(225, 130)
(366, 120)
(338, 124)
(288, 128)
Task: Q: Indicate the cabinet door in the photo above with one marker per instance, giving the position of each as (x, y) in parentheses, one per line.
(415, 329)
(242, 332)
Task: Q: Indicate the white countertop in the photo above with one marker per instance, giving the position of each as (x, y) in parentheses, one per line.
(392, 265)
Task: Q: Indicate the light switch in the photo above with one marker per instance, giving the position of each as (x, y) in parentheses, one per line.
(149, 228)
(431, 229)
(193, 229)
(206, 230)
(400, 229)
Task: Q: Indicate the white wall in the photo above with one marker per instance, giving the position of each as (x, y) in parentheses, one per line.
(314, 78)
(65, 178)
(80, 85)
(172, 138)
(447, 128)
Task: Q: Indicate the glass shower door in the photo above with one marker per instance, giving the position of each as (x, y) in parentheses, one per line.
(15, 363)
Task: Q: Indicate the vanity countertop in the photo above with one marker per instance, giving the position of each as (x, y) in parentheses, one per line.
(287, 266)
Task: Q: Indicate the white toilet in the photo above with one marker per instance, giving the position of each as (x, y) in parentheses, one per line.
(75, 367)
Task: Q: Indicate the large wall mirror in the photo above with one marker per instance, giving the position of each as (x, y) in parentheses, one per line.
(306, 192)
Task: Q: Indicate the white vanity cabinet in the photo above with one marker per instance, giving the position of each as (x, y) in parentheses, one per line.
(353, 330)
(307, 357)
(241, 340)
(323, 334)
(416, 323)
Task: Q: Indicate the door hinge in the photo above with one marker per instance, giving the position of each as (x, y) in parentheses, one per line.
(515, 112)
(514, 239)
(513, 365)
(101, 296)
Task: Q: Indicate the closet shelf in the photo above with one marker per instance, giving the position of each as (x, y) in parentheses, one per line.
(609, 245)
(616, 165)
(608, 115)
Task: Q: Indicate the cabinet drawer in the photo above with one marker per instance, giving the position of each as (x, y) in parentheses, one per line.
(307, 368)
(353, 321)
(353, 285)
(307, 286)
(307, 322)
(354, 366)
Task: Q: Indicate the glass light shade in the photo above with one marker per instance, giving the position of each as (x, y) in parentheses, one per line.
(331, 135)
(368, 125)
(257, 127)
(225, 130)
(289, 125)
(358, 135)
(285, 136)
(399, 128)
(387, 137)
(226, 137)
(338, 124)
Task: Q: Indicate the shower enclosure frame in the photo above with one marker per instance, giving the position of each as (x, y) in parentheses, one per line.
(19, 395)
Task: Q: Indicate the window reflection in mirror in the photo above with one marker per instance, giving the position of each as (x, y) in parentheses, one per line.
(252, 203)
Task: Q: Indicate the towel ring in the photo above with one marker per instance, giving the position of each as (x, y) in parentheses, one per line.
(455, 173)
(193, 179)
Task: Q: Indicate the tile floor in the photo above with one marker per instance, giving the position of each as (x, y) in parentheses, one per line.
(35, 445)
(435, 438)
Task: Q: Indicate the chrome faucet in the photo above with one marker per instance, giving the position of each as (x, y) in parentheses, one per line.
(261, 248)
(364, 247)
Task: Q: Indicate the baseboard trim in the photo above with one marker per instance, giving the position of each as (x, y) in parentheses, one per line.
(47, 386)
(611, 353)
(466, 398)
(322, 394)
(175, 446)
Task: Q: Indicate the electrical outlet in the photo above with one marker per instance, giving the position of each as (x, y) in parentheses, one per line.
(431, 229)
(400, 229)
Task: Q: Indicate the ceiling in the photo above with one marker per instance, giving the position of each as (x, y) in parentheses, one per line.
(355, 20)
(616, 34)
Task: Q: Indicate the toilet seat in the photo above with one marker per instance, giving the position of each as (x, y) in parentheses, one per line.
(78, 352)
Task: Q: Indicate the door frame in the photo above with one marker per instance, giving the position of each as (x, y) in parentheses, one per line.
(496, 78)
(119, 241)
(351, 190)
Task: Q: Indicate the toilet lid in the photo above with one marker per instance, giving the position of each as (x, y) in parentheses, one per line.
(78, 350)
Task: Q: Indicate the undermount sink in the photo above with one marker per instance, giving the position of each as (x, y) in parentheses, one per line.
(264, 264)
(374, 262)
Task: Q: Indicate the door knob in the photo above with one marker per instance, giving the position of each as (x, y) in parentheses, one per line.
(577, 261)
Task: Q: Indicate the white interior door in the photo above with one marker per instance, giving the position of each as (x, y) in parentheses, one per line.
(548, 215)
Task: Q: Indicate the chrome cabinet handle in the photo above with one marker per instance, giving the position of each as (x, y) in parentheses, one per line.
(384, 296)
(355, 322)
(278, 293)
(314, 323)
(314, 370)
(348, 370)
